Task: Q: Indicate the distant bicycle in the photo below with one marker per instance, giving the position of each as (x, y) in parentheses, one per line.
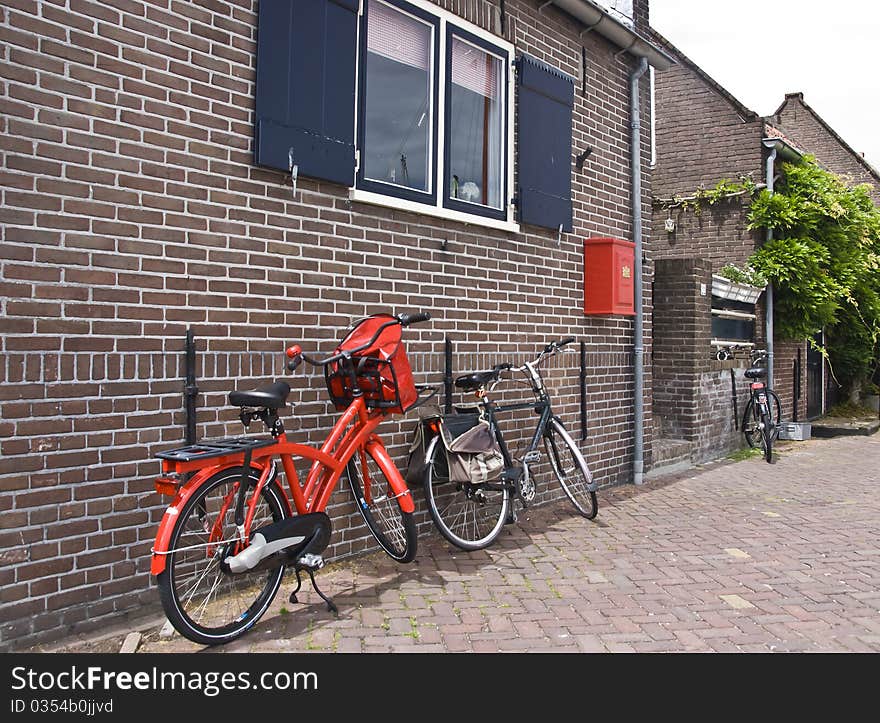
(471, 509)
(760, 421)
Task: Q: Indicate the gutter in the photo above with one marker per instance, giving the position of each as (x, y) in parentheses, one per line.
(598, 20)
(778, 149)
(638, 342)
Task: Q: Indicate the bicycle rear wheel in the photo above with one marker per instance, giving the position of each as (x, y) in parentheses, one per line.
(751, 418)
(570, 469)
(767, 435)
(470, 516)
(394, 529)
(203, 603)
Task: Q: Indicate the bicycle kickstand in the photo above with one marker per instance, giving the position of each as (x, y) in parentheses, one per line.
(331, 606)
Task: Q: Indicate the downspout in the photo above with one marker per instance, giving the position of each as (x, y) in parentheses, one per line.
(768, 294)
(638, 344)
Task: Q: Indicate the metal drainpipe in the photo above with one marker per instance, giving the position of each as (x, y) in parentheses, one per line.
(768, 294)
(638, 345)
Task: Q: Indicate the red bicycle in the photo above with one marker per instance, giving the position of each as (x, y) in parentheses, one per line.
(231, 530)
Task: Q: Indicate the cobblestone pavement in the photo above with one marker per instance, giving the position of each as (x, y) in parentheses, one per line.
(727, 557)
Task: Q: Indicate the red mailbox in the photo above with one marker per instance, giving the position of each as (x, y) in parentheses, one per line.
(609, 276)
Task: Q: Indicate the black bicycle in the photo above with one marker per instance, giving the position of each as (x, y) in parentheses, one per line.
(471, 514)
(760, 421)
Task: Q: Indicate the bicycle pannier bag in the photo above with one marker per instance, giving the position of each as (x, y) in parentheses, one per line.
(429, 419)
(472, 455)
(381, 371)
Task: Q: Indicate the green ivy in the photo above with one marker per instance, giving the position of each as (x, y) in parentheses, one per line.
(824, 263)
(723, 190)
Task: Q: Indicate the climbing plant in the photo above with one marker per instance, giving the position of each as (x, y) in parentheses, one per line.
(724, 190)
(824, 263)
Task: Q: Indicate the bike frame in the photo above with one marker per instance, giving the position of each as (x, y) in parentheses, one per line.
(352, 434)
(541, 406)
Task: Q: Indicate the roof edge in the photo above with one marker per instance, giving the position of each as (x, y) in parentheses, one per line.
(799, 97)
(597, 19)
(747, 113)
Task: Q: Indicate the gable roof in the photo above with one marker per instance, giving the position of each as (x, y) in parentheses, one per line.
(799, 97)
(745, 113)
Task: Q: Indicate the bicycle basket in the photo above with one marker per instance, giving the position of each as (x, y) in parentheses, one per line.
(381, 371)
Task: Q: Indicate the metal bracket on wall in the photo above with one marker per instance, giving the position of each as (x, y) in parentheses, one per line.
(582, 378)
(581, 157)
(294, 170)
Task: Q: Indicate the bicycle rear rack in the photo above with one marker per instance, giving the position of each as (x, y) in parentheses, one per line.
(209, 448)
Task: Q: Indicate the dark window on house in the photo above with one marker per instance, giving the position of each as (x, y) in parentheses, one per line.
(432, 127)
(476, 125)
(398, 91)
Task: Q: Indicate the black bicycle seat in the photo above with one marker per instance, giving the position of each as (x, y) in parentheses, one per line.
(270, 397)
(476, 379)
(755, 373)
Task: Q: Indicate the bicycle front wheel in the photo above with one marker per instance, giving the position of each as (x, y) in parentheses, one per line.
(203, 603)
(570, 469)
(394, 529)
(470, 516)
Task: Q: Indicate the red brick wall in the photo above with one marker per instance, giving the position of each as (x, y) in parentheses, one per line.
(132, 211)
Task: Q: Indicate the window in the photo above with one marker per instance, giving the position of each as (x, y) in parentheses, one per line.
(476, 116)
(433, 112)
(409, 106)
(398, 92)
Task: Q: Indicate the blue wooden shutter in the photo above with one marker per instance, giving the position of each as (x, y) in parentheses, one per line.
(306, 55)
(544, 106)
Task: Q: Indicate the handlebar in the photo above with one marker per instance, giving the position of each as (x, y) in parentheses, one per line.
(296, 356)
(554, 345)
(552, 348)
(407, 319)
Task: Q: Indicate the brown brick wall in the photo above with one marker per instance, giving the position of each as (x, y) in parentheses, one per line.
(693, 392)
(701, 137)
(809, 133)
(132, 211)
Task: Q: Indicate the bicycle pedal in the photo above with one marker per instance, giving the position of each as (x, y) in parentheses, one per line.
(532, 457)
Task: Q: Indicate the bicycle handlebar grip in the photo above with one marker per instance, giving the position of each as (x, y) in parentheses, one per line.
(566, 340)
(407, 319)
(294, 354)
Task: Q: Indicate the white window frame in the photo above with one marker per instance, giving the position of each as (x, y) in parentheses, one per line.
(437, 208)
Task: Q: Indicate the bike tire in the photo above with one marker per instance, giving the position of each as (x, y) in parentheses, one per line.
(767, 436)
(470, 516)
(203, 603)
(394, 529)
(749, 425)
(570, 469)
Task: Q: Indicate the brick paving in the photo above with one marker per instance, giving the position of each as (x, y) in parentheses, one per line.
(727, 557)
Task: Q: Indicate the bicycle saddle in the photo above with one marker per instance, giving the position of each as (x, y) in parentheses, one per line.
(270, 397)
(476, 379)
(755, 373)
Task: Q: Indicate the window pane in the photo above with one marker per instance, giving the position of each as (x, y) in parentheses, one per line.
(397, 102)
(476, 142)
